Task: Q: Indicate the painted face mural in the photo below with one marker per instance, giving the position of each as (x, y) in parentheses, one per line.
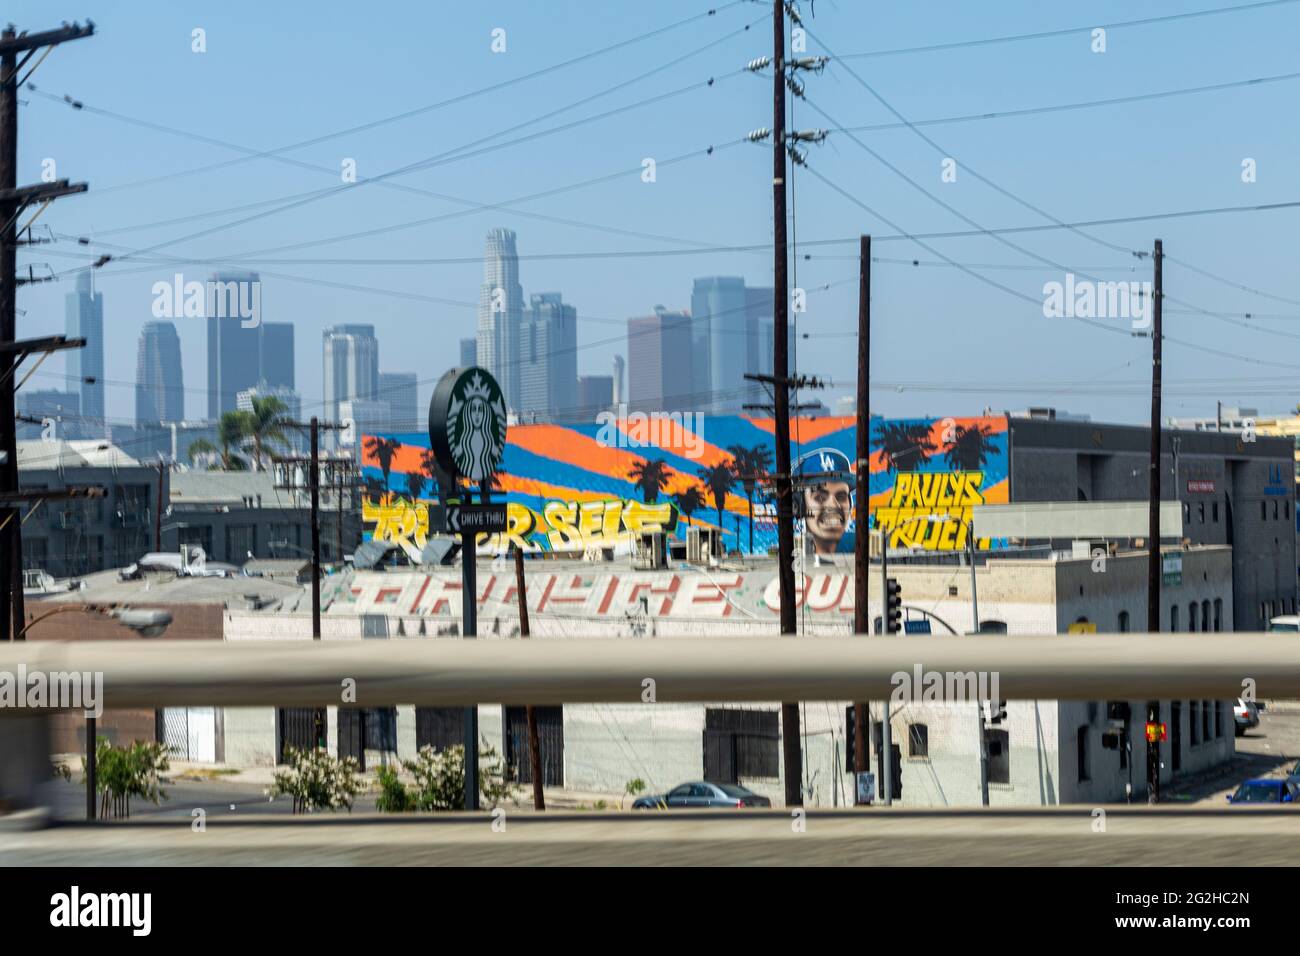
(826, 509)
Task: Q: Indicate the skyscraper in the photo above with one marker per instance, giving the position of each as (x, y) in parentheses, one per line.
(500, 313)
(548, 359)
(759, 318)
(620, 379)
(277, 355)
(234, 351)
(659, 376)
(401, 390)
(468, 352)
(85, 319)
(61, 409)
(719, 342)
(159, 380)
(351, 367)
(595, 395)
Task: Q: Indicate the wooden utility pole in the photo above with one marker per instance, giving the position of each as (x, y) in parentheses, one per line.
(791, 747)
(534, 747)
(13, 200)
(1153, 509)
(862, 506)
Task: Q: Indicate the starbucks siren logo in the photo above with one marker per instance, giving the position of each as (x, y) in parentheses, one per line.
(468, 423)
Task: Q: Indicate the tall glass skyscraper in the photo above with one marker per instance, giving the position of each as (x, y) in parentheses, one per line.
(234, 352)
(719, 342)
(548, 359)
(159, 381)
(501, 312)
(85, 319)
(351, 367)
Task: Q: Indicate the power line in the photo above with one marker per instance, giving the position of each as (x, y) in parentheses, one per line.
(459, 98)
(1045, 34)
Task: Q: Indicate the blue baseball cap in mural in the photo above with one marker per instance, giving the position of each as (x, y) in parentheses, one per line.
(823, 463)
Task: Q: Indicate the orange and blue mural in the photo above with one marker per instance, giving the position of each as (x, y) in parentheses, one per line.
(569, 487)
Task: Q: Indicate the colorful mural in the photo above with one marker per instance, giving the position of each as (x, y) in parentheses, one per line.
(570, 487)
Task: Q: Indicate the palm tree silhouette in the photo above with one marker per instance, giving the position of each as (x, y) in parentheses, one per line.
(718, 479)
(652, 476)
(751, 466)
(905, 445)
(415, 485)
(374, 489)
(689, 501)
(970, 448)
(384, 449)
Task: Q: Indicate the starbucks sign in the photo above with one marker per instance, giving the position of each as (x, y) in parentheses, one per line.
(467, 424)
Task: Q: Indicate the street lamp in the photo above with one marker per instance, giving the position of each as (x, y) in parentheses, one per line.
(147, 622)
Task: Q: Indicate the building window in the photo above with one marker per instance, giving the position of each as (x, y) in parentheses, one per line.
(741, 744)
(1205, 719)
(1214, 512)
(1187, 512)
(918, 740)
(1195, 708)
(1274, 509)
(1123, 622)
(1218, 614)
(1263, 511)
(1191, 617)
(998, 743)
(1083, 754)
(1173, 617)
(1201, 510)
(1205, 615)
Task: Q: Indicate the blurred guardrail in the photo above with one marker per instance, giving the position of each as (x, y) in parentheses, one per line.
(568, 671)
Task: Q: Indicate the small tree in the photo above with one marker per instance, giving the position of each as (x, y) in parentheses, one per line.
(125, 772)
(633, 788)
(438, 781)
(317, 781)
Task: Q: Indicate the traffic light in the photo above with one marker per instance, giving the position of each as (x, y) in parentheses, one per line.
(893, 606)
(994, 711)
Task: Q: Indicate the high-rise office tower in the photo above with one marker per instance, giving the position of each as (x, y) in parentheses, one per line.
(595, 395)
(759, 318)
(351, 367)
(620, 379)
(401, 390)
(234, 347)
(159, 381)
(277, 355)
(468, 352)
(84, 312)
(548, 359)
(719, 333)
(659, 377)
(500, 313)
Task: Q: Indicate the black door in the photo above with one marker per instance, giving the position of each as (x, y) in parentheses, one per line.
(1176, 733)
(302, 728)
(352, 735)
(550, 736)
(439, 727)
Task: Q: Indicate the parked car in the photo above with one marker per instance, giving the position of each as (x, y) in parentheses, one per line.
(1286, 622)
(1267, 790)
(1246, 715)
(700, 794)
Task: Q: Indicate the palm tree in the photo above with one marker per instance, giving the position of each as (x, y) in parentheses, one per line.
(265, 424)
(374, 489)
(750, 465)
(429, 468)
(970, 448)
(718, 479)
(384, 449)
(689, 501)
(232, 429)
(905, 445)
(652, 475)
(200, 446)
(415, 485)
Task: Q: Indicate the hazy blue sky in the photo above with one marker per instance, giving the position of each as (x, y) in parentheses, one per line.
(947, 343)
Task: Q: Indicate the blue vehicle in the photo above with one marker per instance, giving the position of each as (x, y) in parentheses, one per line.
(699, 794)
(1267, 790)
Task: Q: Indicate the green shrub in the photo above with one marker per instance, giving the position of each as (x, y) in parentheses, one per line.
(317, 781)
(438, 781)
(125, 772)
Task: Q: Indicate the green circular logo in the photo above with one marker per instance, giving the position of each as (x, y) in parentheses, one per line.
(467, 423)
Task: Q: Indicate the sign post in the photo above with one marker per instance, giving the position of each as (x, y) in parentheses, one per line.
(467, 432)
